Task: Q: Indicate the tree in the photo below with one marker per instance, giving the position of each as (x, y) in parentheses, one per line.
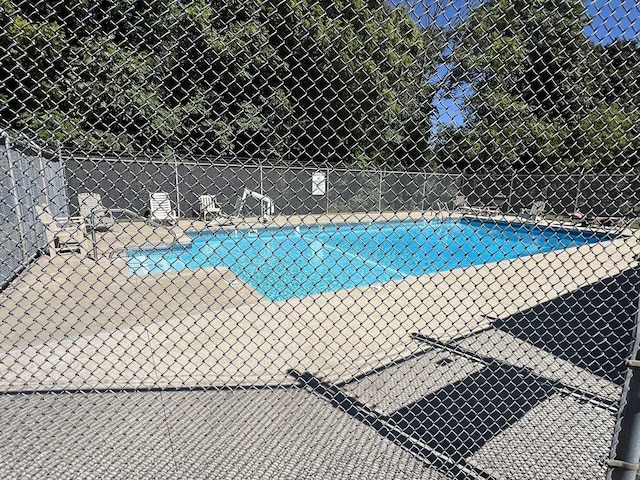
(313, 80)
(356, 80)
(30, 57)
(608, 135)
(540, 87)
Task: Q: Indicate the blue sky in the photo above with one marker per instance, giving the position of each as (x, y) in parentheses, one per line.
(422, 11)
(613, 19)
(610, 20)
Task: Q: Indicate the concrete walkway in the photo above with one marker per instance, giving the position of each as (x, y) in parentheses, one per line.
(229, 434)
(70, 322)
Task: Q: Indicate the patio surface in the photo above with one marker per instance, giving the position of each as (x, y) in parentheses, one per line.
(74, 323)
(269, 434)
(202, 340)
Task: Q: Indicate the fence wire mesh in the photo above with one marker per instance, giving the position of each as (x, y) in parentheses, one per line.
(319, 239)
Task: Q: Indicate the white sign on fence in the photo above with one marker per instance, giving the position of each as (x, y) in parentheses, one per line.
(318, 183)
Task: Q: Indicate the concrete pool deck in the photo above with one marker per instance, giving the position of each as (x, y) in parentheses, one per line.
(70, 322)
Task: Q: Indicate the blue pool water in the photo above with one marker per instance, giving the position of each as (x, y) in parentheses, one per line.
(294, 262)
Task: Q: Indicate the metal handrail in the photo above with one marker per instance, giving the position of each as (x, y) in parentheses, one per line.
(130, 214)
(442, 209)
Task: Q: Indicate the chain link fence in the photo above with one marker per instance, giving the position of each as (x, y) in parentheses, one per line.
(126, 183)
(313, 239)
(29, 176)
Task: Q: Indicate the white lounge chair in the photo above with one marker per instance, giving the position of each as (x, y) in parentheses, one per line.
(536, 210)
(160, 208)
(461, 204)
(208, 206)
(62, 233)
(93, 211)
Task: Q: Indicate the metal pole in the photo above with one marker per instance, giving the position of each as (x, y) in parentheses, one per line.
(11, 165)
(177, 180)
(576, 201)
(261, 179)
(424, 190)
(326, 193)
(510, 197)
(380, 192)
(625, 450)
(94, 241)
(44, 190)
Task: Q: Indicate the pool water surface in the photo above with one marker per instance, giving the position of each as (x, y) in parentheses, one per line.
(287, 262)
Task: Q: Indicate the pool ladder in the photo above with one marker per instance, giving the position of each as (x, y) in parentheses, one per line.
(128, 213)
(443, 211)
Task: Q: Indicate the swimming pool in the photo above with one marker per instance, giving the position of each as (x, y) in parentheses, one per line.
(283, 263)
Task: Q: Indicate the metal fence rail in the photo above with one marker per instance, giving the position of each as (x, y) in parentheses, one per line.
(313, 239)
(29, 176)
(126, 183)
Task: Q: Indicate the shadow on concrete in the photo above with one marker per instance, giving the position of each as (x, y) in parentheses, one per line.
(591, 327)
(447, 426)
(460, 418)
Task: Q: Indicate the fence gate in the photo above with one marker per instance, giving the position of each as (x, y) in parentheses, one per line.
(313, 239)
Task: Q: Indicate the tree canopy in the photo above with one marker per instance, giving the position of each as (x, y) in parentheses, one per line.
(310, 80)
(319, 81)
(544, 95)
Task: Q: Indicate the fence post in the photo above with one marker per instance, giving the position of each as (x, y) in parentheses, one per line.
(625, 450)
(261, 173)
(380, 191)
(177, 180)
(424, 190)
(16, 197)
(510, 197)
(578, 193)
(326, 192)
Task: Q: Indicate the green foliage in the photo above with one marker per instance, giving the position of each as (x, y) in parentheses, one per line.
(544, 96)
(354, 79)
(31, 54)
(303, 79)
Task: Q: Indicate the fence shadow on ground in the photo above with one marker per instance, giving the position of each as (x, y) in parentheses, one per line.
(591, 327)
(460, 418)
(447, 426)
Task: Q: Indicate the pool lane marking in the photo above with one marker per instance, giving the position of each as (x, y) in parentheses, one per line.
(355, 256)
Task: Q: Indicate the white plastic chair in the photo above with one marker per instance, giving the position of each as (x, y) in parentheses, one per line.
(94, 212)
(160, 208)
(62, 233)
(536, 211)
(208, 206)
